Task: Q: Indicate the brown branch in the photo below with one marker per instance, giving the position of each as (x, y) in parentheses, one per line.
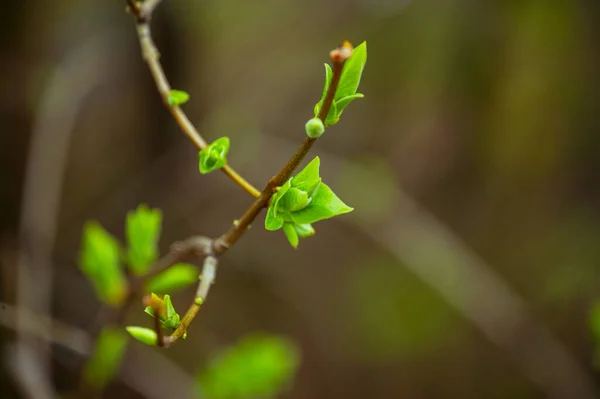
(222, 244)
(151, 55)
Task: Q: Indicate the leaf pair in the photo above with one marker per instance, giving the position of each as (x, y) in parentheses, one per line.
(347, 86)
(302, 200)
(214, 156)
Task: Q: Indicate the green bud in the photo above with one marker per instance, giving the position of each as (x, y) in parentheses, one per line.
(293, 200)
(178, 97)
(314, 128)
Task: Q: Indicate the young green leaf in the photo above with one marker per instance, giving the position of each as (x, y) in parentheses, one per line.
(272, 222)
(332, 116)
(324, 205)
(314, 128)
(214, 156)
(352, 72)
(178, 97)
(106, 358)
(308, 178)
(142, 229)
(259, 366)
(176, 277)
(171, 319)
(343, 102)
(328, 75)
(291, 234)
(142, 334)
(276, 198)
(100, 262)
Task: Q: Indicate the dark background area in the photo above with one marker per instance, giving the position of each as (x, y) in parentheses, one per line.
(470, 263)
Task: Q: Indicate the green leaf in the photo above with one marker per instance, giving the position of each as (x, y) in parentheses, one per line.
(100, 262)
(324, 205)
(214, 156)
(332, 117)
(304, 230)
(171, 319)
(328, 75)
(178, 97)
(343, 102)
(143, 232)
(308, 178)
(176, 277)
(258, 366)
(106, 358)
(142, 334)
(276, 198)
(272, 222)
(291, 234)
(352, 72)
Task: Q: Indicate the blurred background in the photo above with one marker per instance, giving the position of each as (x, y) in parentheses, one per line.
(470, 264)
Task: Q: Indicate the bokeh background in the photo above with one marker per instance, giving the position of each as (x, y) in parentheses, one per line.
(471, 261)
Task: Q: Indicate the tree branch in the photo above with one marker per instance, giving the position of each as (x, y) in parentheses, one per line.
(151, 55)
(206, 247)
(222, 244)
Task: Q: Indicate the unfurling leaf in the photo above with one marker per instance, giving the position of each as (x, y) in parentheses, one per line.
(347, 86)
(178, 97)
(168, 317)
(100, 262)
(259, 366)
(214, 156)
(143, 232)
(142, 334)
(106, 358)
(176, 277)
(352, 72)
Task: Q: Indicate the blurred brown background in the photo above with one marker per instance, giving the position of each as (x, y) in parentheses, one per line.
(469, 265)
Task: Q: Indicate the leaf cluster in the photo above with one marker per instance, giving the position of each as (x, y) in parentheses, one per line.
(303, 199)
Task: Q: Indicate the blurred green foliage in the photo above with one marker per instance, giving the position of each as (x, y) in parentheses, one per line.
(143, 232)
(258, 366)
(394, 313)
(104, 363)
(100, 261)
(176, 277)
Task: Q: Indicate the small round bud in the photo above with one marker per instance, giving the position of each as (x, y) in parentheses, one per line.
(314, 128)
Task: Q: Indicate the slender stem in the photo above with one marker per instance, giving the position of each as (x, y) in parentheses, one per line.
(207, 278)
(222, 244)
(151, 56)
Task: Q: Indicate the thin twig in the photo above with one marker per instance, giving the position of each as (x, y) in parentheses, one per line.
(338, 57)
(151, 55)
(207, 278)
